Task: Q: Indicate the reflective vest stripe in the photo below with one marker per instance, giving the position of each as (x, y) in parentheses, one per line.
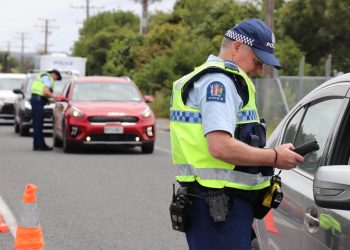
(230, 175)
(247, 115)
(185, 116)
(196, 117)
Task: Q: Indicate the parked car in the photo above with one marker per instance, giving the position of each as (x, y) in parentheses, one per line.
(23, 108)
(8, 82)
(314, 213)
(103, 111)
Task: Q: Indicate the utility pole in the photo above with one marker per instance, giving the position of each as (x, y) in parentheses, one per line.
(87, 8)
(22, 38)
(144, 17)
(269, 19)
(6, 59)
(47, 32)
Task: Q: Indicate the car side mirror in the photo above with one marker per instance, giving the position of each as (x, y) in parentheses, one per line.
(331, 187)
(18, 92)
(60, 98)
(148, 98)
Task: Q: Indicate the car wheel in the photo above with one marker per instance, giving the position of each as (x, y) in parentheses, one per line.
(16, 128)
(23, 131)
(67, 145)
(255, 244)
(56, 141)
(147, 148)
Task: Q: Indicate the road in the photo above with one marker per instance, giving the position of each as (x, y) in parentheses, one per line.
(95, 199)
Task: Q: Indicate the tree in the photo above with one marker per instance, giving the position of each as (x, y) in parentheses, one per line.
(315, 27)
(99, 34)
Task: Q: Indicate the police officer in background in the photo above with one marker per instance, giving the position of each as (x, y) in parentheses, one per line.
(217, 139)
(42, 90)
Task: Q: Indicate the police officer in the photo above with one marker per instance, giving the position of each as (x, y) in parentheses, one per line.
(42, 90)
(217, 139)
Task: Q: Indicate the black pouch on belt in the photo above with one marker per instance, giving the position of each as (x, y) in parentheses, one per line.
(218, 204)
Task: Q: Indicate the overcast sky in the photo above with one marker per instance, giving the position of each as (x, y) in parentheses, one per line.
(17, 16)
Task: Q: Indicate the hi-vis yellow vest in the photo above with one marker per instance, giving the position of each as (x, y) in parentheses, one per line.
(189, 146)
(38, 86)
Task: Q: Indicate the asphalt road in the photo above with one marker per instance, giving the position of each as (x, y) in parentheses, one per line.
(95, 199)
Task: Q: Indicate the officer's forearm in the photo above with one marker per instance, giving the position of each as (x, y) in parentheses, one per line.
(47, 92)
(222, 146)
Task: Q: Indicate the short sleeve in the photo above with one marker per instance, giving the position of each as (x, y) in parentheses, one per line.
(46, 81)
(218, 102)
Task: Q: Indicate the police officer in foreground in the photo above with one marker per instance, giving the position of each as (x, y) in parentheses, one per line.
(42, 90)
(217, 141)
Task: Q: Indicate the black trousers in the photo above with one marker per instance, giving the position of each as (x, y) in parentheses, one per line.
(38, 104)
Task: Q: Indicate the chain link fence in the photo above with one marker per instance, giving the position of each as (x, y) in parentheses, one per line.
(276, 96)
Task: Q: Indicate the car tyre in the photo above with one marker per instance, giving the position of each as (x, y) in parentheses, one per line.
(56, 141)
(23, 131)
(147, 148)
(16, 127)
(255, 244)
(67, 145)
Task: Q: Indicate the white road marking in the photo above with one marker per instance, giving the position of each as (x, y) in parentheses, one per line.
(8, 217)
(163, 149)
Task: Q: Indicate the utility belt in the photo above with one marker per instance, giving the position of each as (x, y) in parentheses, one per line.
(218, 201)
(38, 97)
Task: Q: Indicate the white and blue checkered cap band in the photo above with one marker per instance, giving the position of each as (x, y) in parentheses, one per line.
(185, 116)
(236, 36)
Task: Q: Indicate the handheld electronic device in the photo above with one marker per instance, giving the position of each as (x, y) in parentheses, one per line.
(307, 148)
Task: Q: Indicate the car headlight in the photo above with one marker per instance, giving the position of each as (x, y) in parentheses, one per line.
(27, 105)
(146, 113)
(75, 112)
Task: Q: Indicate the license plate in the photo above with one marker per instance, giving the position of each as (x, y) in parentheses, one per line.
(114, 130)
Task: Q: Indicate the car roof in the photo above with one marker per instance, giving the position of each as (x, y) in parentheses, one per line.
(12, 75)
(104, 79)
(335, 80)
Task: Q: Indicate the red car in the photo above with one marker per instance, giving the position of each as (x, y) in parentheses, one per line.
(98, 110)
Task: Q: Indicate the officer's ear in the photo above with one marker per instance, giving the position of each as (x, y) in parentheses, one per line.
(236, 45)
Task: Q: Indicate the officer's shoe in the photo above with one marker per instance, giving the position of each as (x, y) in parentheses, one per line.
(42, 148)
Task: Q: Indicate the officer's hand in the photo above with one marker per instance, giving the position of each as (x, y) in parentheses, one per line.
(286, 158)
(51, 100)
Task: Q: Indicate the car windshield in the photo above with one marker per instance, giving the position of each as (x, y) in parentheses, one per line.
(105, 92)
(10, 84)
(59, 85)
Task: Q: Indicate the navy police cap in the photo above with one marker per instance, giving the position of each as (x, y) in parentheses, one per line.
(58, 74)
(256, 34)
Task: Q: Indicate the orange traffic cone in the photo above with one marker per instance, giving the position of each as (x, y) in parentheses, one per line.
(29, 235)
(4, 228)
(270, 225)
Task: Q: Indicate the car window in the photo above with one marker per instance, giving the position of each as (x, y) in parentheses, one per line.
(104, 92)
(10, 83)
(317, 124)
(293, 127)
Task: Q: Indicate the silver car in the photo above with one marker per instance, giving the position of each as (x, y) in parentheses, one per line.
(8, 82)
(315, 210)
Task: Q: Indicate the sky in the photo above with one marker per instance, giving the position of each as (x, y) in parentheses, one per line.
(27, 16)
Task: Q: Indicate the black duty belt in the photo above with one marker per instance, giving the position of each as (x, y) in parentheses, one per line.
(38, 97)
(195, 187)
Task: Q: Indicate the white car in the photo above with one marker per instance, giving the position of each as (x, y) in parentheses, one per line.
(8, 82)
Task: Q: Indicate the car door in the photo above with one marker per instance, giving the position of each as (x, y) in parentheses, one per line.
(59, 111)
(318, 119)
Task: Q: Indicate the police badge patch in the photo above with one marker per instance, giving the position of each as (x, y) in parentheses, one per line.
(216, 92)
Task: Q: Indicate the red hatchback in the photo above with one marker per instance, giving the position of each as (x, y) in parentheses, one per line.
(99, 110)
